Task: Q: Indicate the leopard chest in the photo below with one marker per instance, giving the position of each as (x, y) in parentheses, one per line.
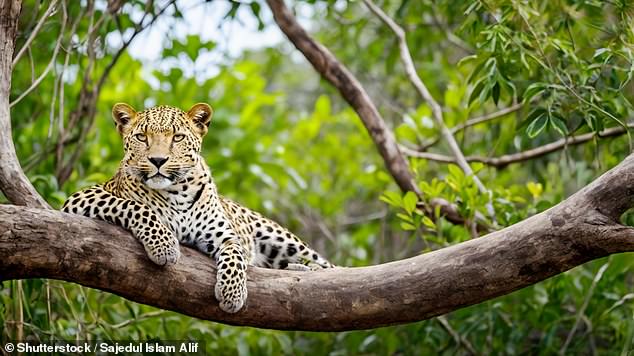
(191, 213)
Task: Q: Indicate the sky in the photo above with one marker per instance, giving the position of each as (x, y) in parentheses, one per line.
(205, 19)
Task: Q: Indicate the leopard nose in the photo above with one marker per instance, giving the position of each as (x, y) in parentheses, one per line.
(158, 161)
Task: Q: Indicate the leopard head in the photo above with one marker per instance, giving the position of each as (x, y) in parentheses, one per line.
(162, 144)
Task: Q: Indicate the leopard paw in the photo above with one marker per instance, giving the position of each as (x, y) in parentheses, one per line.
(231, 294)
(164, 255)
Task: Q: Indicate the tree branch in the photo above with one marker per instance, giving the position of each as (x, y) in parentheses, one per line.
(35, 31)
(13, 183)
(352, 91)
(421, 88)
(505, 160)
(472, 122)
(37, 243)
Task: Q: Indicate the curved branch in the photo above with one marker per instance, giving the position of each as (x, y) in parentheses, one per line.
(472, 122)
(353, 92)
(38, 243)
(34, 32)
(13, 183)
(505, 160)
(421, 88)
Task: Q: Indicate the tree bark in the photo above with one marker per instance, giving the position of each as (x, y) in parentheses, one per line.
(37, 243)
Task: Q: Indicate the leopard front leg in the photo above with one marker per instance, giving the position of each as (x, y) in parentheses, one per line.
(159, 242)
(231, 278)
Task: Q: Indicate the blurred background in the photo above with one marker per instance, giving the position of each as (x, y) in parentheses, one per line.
(510, 76)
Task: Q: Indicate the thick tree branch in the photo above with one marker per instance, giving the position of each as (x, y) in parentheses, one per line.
(37, 243)
(13, 183)
(505, 160)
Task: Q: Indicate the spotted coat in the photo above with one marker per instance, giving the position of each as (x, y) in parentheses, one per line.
(163, 192)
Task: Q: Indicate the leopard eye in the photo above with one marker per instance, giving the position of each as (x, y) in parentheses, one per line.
(141, 137)
(179, 137)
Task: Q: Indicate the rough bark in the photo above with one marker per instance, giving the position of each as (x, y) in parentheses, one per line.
(13, 183)
(38, 243)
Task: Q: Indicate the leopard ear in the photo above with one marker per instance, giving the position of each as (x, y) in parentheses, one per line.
(200, 115)
(124, 116)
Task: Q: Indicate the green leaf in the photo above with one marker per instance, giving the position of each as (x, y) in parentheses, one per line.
(532, 91)
(409, 202)
(255, 9)
(404, 217)
(599, 52)
(455, 171)
(407, 226)
(495, 93)
(466, 59)
(475, 93)
(537, 125)
(231, 14)
(532, 116)
(427, 222)
(392, 198)
(559, 124)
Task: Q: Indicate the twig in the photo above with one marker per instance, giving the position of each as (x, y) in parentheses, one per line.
(586, 301)
(326, 64)
(410, 70)
(48, 68)
(505, 160)
(461, 341)
(35, 31)
(141, 317)
(472, 122)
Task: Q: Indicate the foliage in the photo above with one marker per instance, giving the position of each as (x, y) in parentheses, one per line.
(284, 143)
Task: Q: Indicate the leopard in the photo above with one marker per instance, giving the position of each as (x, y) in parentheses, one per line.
(163, 192)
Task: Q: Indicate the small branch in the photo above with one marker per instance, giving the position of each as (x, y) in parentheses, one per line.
(353, 92)
(410, 70)
(459, 339)
(48, 68)
(472, 122)
(486, 118)
(505, 160)
(584, 306)
(35, 31)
